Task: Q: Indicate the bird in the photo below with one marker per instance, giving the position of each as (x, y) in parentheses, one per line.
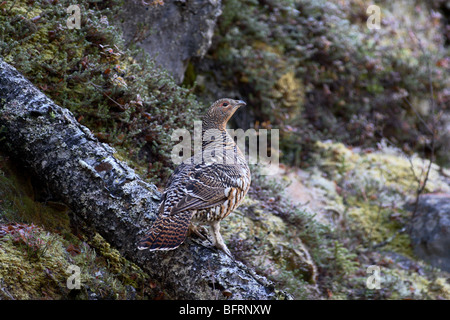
(203, 189)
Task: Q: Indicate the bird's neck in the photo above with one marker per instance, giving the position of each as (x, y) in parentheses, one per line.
(215, 136)
(210, 124)
(219, 140)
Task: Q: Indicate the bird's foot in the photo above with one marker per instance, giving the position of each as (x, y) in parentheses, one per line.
(224, 248)
(217, 238)
(200, 232)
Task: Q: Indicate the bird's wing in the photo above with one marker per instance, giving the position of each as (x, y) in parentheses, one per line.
(191, 188)
(206, 187)
(170, 228)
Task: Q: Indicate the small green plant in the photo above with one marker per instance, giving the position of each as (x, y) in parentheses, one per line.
(343, 260)
(29, 236)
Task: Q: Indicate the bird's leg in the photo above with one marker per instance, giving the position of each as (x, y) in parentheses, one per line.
(217, 238)
(193, 229)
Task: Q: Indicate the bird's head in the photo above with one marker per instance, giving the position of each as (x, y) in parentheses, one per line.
(220, 112)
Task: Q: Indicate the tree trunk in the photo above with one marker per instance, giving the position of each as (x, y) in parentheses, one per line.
(108, 196)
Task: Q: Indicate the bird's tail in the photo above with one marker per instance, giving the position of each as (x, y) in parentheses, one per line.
(167, 233)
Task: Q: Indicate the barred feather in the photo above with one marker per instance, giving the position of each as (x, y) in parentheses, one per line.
(202, 189)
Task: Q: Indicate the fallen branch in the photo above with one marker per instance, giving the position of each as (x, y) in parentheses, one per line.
(107, 195)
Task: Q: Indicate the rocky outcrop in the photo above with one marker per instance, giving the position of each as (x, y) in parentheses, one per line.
(430, 230)
(172, 33)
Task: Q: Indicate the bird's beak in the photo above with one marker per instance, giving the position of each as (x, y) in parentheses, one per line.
(239, 103)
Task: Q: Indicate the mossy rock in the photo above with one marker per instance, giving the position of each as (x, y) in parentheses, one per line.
(265, 242)
(34, 272)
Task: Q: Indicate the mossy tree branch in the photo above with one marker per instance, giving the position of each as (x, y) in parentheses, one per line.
(106, 195)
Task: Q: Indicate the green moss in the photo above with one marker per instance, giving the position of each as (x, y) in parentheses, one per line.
(279, 239)
(127, 272)
(107, 274)
(37, 277)
(28, 271)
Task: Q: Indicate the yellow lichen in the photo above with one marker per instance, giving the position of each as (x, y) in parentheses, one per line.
(440, 287)
(412, 285)
(290, 91)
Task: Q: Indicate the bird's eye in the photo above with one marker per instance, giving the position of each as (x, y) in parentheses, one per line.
(224, 104)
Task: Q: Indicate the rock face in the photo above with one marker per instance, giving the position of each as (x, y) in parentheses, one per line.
(430, 231)
(172, 33)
